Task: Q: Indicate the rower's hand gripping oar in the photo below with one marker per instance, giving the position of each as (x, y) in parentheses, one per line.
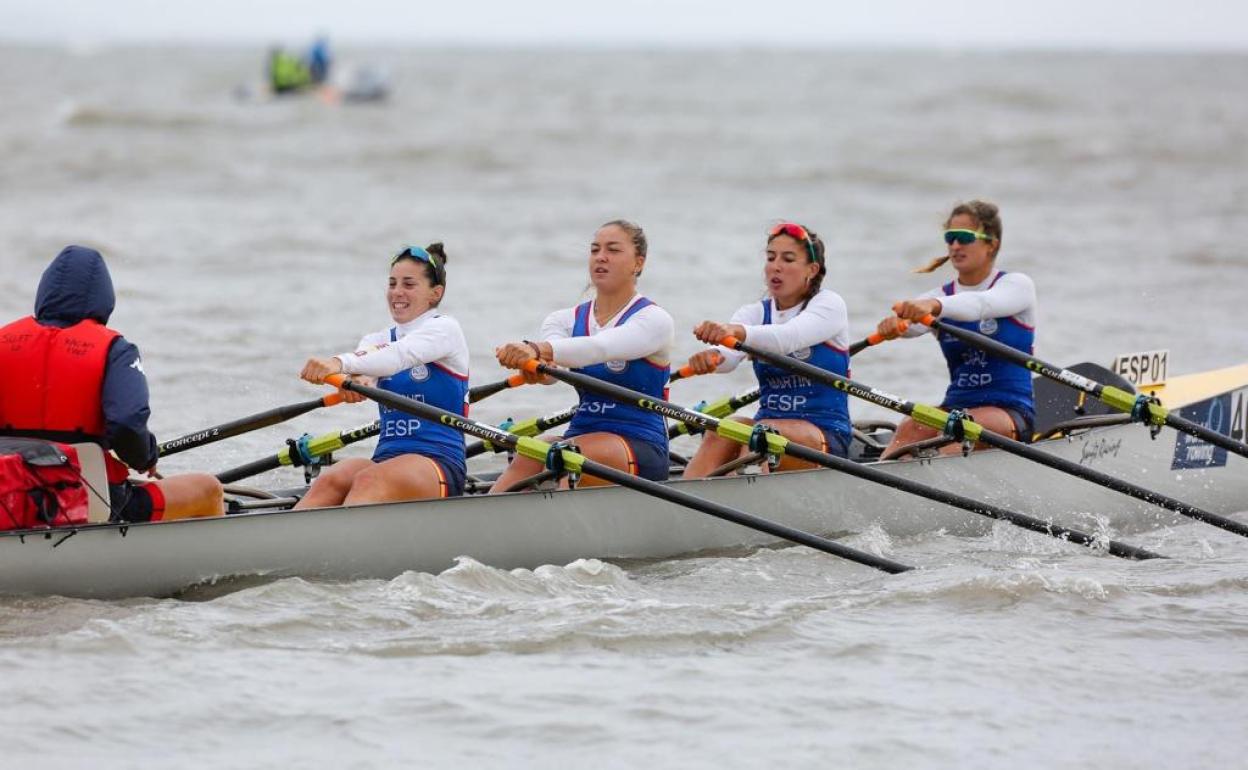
(246, 424)
(1142, 408)
(958, 426)
(761, 440)
(565, 459)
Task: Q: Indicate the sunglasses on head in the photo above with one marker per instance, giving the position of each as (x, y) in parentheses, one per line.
(420, 255)
(966, 237)
(797, 232)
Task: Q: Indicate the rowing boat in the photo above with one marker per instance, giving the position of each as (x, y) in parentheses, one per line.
(557, 527)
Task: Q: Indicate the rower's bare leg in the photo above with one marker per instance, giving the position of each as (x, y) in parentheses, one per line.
(406, 477)
(907, 433)
(331, 487)
(520, 469)
(606, 449)
(714, 451)
(191, 495)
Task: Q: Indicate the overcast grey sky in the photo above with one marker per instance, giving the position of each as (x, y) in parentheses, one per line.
(960, 24)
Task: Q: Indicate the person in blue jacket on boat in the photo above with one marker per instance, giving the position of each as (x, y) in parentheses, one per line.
(799, 318)
(619, 336)
(423, 356)
(996, 393)
(318, 60)
(68, 377)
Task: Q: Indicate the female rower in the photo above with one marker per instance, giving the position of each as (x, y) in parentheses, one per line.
(996, 394)
(799, 318)
(619, 336)
(423, 356)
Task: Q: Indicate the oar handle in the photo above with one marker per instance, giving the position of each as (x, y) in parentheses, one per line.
(875, 338)
(687, 370)
(485, 391)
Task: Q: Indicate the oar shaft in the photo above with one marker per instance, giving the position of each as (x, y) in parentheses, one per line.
(721, 408)
(531, 447)
(316, 447)
(1007, 444)
(245, 424)
(1116, 398)
(655, 489)
(741, 433)
(531, 427)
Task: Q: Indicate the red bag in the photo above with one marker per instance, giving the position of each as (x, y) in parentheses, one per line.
(40, 485)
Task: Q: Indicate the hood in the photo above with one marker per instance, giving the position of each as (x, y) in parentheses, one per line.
(75, 286)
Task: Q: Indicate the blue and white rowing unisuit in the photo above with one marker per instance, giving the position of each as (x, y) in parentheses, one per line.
(817, 333)
(1002, 307)
(425, 359)
(597, 413)
(790, 396)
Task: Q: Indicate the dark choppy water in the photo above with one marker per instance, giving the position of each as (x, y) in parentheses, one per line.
(245, 237)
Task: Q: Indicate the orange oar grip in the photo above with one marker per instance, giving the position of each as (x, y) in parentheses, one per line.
(530, 366)
(685, 371)
(515, 380)
(335, 379)
(333, 398)
(874, 338)
(928, 320)
(729, 341)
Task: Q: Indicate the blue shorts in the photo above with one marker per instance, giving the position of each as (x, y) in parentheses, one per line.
(450, 475)
(835, 443)
(647, 459)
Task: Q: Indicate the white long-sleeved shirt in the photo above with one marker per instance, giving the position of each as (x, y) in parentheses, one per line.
(825, 319)
(426, 339)
(650, 333)
(1013, 295)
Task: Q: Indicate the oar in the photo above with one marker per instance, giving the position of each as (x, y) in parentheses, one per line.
(687, 371)
(777, 444)
(485, 391)
(874, 338)
(556, 457)
(1140, 407)
(530, 427)
(301, 452)
(721, 408)
(967, 430)
(245, 424)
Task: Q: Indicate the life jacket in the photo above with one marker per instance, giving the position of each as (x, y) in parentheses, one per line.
(41, 485)
(403, 433)
(52, 383)
(977, 378)
(597, 413)
(789, 396)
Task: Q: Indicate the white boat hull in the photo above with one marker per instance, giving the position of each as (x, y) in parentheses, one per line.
(528, 530)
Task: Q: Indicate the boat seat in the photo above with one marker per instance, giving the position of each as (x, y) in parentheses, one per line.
(95, 474)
